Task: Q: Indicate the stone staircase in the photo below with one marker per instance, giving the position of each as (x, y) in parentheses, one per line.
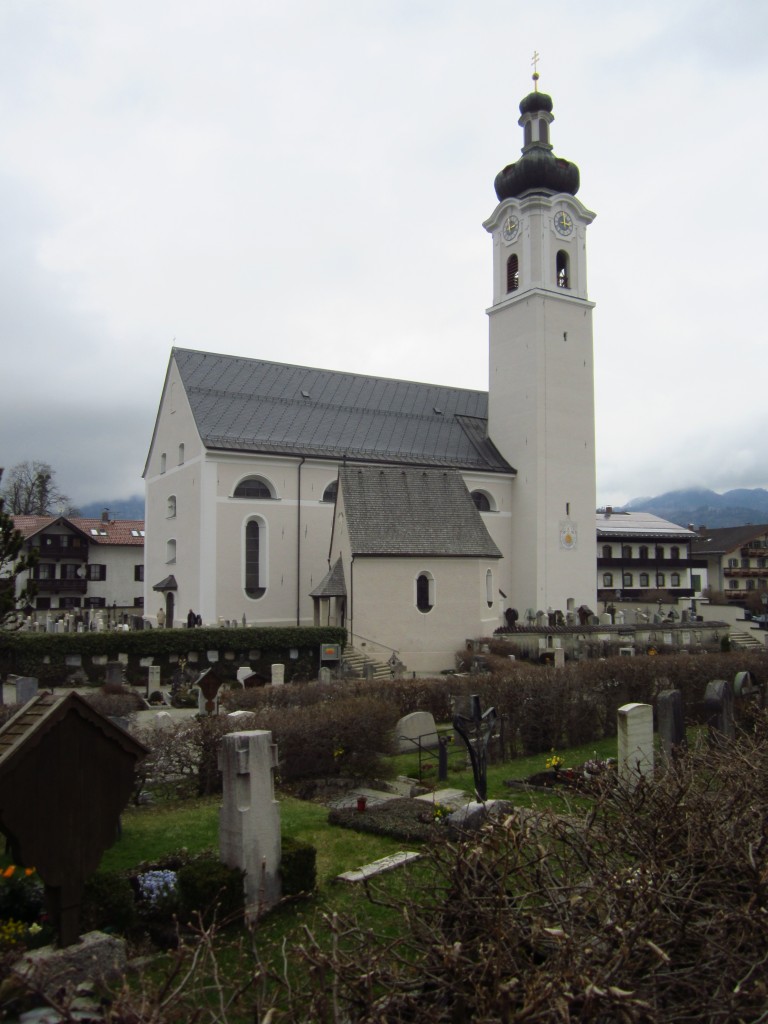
(354, 662)
(745, 639)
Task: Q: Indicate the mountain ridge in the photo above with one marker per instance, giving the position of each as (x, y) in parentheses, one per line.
(699, 506)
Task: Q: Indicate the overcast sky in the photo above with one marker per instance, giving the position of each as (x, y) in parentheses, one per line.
(305, 181)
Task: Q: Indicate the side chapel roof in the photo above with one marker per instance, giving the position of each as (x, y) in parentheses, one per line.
(396, 511)
(253, 405)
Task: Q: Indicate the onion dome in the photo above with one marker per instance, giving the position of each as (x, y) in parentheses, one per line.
(538, 169)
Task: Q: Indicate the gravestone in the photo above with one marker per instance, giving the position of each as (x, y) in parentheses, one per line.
(278, 674)
(669, 709)
(78, 798)
(163, 720)
(718, 705)
(559, 657)
(635, 722)
(324, 675)
(414, 730)
(476, 729)
(114, 672)
(249, 819)
(26, 688)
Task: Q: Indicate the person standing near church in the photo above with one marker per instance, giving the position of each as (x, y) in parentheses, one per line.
(191, 619)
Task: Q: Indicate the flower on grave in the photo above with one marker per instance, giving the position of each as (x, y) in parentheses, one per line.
(555, 762)
(440, 812)
(338, 752)
(155, 885)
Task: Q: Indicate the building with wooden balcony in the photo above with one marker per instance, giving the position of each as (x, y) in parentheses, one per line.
(85, 563)
(644, 559)
(737, 561)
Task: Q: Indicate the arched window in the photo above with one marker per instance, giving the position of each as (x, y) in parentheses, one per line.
(562, 269)
(162, 462)
(254, 558)
(659, 551)
(330, 492)
(489, 588)
(513, 273)
(171, 510)
(627, 580)
(644, 552)
(661, 579)
(527, 133)
(170, 551)
(607, 551)
(482, 501)
(674, 552)
(543, 130)
(181, 454)
(425, 592)
(253, 487)
(607, 579)
(626, 551)
(644, 579)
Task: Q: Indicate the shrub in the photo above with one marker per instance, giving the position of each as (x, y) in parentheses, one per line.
(298, 867)
(21, 894)
(209, 889)
(108, 903)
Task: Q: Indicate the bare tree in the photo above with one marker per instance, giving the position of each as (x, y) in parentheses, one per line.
(32, 490)
(14, 561)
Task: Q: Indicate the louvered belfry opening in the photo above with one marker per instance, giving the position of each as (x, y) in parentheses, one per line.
(513, 273)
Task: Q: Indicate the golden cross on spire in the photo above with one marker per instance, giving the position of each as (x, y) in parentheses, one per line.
(535, 76)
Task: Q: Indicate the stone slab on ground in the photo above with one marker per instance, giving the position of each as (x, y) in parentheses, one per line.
(372, 798)
(453, 798)
(378, 867)
(96, 958)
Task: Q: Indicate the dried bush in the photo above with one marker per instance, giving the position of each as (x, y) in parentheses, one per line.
(653, 908)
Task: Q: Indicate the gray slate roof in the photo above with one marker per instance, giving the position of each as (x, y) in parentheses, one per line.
(638, 524)
(727, 538)
(333, 583)
(253, 405)
(397, 511)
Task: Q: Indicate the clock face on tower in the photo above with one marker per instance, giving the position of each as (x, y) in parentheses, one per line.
(563, 223)
(510, 229)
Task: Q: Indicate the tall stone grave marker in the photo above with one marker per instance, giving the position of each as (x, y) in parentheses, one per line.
(669, 707)
(718, 702)
(635, 722)
(249, 819)
(26, 688)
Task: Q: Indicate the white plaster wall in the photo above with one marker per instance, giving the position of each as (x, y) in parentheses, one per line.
(119, 587)
(383, 607)
(175, 425)
(541, 406)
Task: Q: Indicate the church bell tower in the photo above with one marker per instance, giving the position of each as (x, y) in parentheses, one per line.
(541, 412)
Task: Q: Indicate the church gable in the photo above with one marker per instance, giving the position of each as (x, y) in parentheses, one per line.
(396, 511)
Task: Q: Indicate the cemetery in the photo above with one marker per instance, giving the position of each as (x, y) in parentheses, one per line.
(608, 812)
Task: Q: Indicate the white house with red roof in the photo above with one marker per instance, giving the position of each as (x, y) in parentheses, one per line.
(86, 563)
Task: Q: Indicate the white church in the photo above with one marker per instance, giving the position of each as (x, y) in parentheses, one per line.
(414, 515)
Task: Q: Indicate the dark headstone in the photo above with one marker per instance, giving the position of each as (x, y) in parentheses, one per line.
(669, 709)
(718, 703)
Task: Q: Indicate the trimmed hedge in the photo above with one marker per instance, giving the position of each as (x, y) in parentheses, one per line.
(43, 654)
(298, 867)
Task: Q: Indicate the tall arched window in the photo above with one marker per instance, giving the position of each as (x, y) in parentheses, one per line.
(489, 588)
(626, 551)
(643, 579)
(181, 454)
(543, 130)
(674, 552)
(254, 559)
(644, 551)
(562, 269)
(607, 579)
(513, 273)
(627, 580)
(425, 592)
(170, 551)
(253, 487)
(171, 510)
